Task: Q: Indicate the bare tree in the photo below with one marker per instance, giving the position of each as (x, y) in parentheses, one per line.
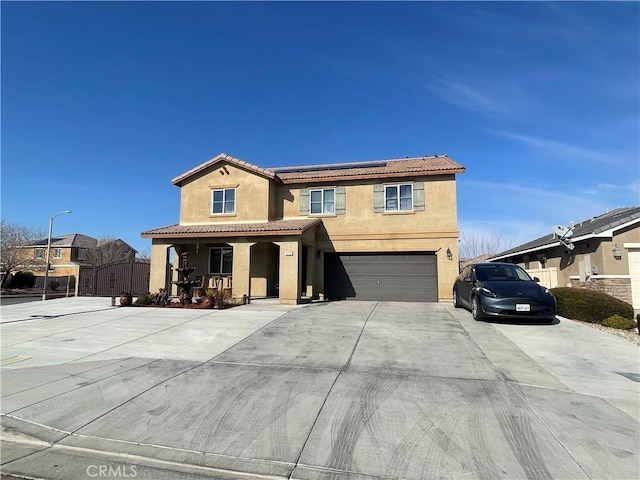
(13, 256)
(108, 250)
(479, 243)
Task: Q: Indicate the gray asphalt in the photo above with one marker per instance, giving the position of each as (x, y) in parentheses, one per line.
(342, 390)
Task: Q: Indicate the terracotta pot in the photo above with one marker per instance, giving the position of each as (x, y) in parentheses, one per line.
(208, 302)
(126, 300)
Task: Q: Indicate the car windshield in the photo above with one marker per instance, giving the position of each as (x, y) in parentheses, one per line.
(498, 273)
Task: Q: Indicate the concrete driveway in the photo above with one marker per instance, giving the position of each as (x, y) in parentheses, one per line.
(343, 390)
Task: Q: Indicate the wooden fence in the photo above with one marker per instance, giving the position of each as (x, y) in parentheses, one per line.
(112, 280)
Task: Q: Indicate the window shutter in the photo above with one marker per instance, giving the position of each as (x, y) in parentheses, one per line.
(304, 201)
(341, 201)
(418, 196)
(378, 198)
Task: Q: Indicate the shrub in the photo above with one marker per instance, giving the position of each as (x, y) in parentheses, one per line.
(589, 305)
(21, 280)
(616, 321)
(144, 299)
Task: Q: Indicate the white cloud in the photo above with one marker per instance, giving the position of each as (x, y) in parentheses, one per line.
(521, 213)
(563, 150)
(465, 96)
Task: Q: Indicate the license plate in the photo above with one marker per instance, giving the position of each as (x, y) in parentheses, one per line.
(523, 307)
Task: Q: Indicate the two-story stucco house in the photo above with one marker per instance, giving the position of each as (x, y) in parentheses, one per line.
(72, 252)
(377, 230)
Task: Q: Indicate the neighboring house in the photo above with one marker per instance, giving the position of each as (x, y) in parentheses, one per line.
(605, 255)
(71, 252)
(380, 230)
(479, 259)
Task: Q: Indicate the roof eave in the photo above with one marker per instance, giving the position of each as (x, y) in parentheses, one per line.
(372, 176)
(525, 251)
(177, 181)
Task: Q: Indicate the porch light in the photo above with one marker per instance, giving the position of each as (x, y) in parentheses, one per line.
(616, 252)
(449, 254)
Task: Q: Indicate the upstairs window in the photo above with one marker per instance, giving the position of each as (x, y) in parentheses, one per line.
(223, 201)
(57, 253)
(322, 201)
(81, 253)
(398, 198)
(39, 253)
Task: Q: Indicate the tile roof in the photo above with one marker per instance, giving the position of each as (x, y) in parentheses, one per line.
(400, 167)
(68, 240)
(274, 227)
(589, 228)
(229, 159)
(403, 167)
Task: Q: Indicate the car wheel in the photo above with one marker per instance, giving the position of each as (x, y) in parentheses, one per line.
(456, 303)
(476, 309)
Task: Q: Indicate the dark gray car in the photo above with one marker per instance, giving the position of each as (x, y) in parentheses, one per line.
(502, 290)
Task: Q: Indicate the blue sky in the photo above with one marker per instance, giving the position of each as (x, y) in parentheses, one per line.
(103, 103)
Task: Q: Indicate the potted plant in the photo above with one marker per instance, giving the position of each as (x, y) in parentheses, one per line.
(126, 299)
(208, 301)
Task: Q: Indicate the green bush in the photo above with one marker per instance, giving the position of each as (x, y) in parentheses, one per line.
(589, 305)
(616, 321)
(144, 299)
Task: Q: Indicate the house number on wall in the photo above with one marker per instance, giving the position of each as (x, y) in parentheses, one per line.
(289, 253)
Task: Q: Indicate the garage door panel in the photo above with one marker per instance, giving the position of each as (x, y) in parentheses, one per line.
(381, 276)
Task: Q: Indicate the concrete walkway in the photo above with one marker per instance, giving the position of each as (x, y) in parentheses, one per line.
(342, 390)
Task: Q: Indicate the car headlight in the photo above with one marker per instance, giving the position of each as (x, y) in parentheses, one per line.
(488, 292)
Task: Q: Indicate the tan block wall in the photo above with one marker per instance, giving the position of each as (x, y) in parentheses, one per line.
(616, 287)
(252, 195)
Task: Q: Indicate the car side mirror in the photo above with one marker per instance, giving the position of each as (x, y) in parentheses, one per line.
(536, 279)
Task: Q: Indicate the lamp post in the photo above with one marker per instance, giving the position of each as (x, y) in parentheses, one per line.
(46, 267)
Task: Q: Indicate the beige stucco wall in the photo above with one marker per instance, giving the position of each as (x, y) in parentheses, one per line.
(252, 195)
(361, 229)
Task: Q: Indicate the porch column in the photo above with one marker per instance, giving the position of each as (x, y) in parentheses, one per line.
(241, 273)
(290, 267)
(311, 273)
(160, 267)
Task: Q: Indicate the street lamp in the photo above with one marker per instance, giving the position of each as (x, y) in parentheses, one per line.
(46, 267)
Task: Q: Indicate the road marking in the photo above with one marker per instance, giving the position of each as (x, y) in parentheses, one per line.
(10, 360)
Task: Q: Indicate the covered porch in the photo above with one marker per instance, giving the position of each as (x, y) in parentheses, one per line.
(273, 259)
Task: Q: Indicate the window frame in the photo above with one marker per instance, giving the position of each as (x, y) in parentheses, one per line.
(38, 253)
(224, 201)
(323, 201)
(57, 253)
(399, 198)
(222, 261)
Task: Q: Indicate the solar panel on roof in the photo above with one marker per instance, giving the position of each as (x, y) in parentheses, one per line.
(333, 166)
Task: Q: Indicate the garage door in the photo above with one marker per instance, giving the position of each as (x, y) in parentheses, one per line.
(409, 277)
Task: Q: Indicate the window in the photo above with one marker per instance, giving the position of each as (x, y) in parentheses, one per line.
(82, 253)
(223, 201)
(39, 252)
(221, 260)
(322, 201)
(398, 198)
(57, 253)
